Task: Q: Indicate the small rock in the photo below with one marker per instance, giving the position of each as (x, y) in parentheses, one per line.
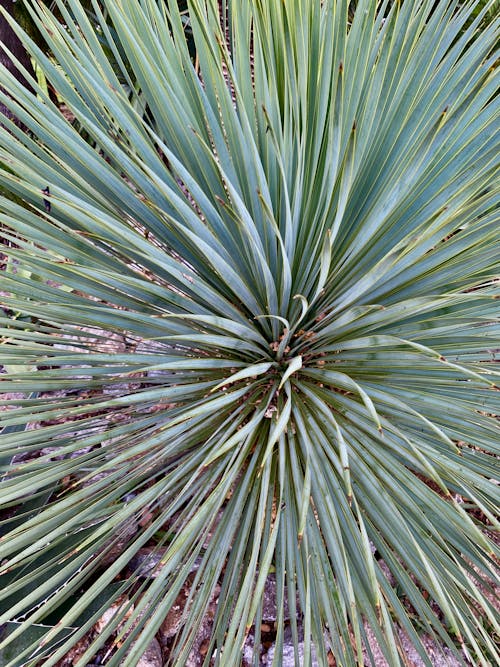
(145, 562)
(248, 650)
(378, 656)
(287, 658)
(120, 606)
(440, 656)
(152, 657)
(198, 653)
(269, 613)
(175, 618)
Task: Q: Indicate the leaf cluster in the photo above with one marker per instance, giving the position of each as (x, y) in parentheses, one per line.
(257, 329)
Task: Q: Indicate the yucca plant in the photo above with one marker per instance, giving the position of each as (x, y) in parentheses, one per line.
(253, 327)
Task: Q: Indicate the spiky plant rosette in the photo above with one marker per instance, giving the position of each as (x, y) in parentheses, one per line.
(253, 327)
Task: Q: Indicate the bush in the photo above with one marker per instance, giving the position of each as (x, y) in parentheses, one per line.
(253, 326)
